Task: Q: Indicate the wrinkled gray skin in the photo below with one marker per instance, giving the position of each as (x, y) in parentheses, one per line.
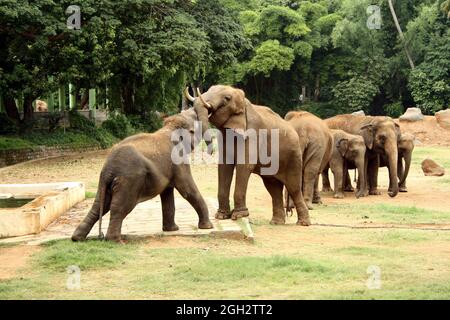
(227, 108)
(349, 152)
(381, 135)
(316, 144)
(405, 150)
(140, 168)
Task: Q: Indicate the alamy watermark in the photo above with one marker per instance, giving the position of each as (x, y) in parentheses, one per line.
(374, 19)
(242, 147)
(74, 20)
(374, 280)
(74, 278)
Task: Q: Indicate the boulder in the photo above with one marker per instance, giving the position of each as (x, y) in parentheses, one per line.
(412, 114)
(431, 168)
(359, 113)
(443, 118)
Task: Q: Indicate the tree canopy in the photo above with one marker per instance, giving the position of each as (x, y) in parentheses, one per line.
(142, 53)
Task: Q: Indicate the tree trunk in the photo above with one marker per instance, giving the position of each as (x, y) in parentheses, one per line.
(127, 93)
(28, 109)
(11, 109)
(317, 88)
(402, 38)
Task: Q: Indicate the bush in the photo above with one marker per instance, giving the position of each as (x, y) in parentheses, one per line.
(148, 123)
(394, 110)
(119, 126)
(355, 94)
(80, 123)
(323, 110)
(7, 126)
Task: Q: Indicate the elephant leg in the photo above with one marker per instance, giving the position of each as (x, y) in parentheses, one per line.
(243, 172)
(225, 178)
(168, 210)
(188, 190)
(293, 187)
(372, 175)
(88, 222)
(275, 188)
(308, 185)
(337, 167)
(348, 182)
(121, 206)
(316, 197)
(326, 186)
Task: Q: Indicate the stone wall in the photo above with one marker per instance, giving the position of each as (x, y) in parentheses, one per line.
(10, 157)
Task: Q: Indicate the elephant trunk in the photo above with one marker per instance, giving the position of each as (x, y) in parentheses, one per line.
(406, 171)
(392, 152)
(361, 177)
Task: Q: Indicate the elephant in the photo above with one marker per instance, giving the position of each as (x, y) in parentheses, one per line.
(316, 144)
(349, 151)
(139, 168)
(405, 150)
(381, 135)
(228, 109)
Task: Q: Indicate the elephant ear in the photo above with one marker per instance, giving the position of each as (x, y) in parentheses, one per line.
(367, 132)
(238, 119)
(342, 146)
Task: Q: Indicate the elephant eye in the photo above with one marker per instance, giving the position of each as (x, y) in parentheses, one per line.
(227, 98)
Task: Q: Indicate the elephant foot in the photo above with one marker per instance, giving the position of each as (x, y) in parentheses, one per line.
(278, 221)
(76, 238)
(171, 227)
(374, 192)
(304, 221)
(338, 195)
(360, 194)
(239, 213)
(222, 214)
(309, 205)
(327, 189)
(113, 238)
(402, 189)
(317, 200)
(349, 189)
(205, 224)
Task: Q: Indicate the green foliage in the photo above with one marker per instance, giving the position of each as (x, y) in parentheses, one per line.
(119, 126)
(323, 110)
(394, 110)
(7, 126)
(355, 94)
(147, 123)
(270, 55)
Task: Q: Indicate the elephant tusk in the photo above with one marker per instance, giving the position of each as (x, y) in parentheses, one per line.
(208, 106)
(188, 95)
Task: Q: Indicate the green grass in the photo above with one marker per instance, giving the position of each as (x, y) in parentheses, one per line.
(58, 255)
(90, 195)
(72, 138)
(384, 213)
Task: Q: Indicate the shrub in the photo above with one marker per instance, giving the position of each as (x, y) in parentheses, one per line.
(321, 109)
(148, 123)
(119, 126)
(7, 126)
(80, 123)
(394, 110)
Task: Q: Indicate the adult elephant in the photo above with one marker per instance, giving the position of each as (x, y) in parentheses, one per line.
(316, 143)
(381, 136)
(232, 114)
(405, 150)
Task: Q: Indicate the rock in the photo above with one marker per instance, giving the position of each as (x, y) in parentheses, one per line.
(443, 118)
(412, 114)
(41, 106)
(431, 168)
(359, 113)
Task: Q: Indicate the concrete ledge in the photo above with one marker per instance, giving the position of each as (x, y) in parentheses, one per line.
(51, 201)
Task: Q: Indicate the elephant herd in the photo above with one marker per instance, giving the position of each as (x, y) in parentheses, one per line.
(140, 167)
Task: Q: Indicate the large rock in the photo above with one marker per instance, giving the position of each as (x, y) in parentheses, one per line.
(412, 114)
(431, 168)
(359, 113)
(443, 118)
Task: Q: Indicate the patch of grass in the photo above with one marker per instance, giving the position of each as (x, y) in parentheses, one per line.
(58, 255)
(384, 213)
(7, 143)
(90, 195)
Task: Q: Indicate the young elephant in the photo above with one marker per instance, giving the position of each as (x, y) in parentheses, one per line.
(140, 168)
(405, 150)
(349, 152)
(316, 143)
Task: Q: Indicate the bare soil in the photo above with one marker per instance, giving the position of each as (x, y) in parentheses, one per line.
(14, 258)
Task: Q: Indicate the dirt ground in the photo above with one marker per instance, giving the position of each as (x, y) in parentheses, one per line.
(430, 193)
